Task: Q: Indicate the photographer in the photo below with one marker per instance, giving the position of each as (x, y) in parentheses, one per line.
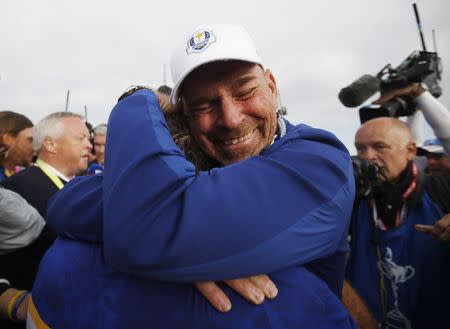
(399, 272)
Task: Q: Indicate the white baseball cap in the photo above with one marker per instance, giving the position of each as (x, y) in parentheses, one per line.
(431, 146)
(208, 44)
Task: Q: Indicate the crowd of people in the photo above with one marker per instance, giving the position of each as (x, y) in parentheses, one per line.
(202, 207)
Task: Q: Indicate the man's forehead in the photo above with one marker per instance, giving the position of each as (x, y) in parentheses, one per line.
(100, 138)
(387, 135)
(75, 125)
(234, 73)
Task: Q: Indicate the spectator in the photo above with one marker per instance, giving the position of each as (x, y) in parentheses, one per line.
(274, 203)
(16, 143)
(61, 141)
(99, 141)
(91, 154)
(398, 272)
(437, 159)
(20, 223)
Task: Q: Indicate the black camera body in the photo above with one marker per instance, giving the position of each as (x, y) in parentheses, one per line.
(367, 177)
(419, 66)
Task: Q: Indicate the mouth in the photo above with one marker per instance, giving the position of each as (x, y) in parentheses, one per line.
(238, 140)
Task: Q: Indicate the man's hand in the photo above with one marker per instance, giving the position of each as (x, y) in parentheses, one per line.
(413, 90)
(254, 289)
(440, 230)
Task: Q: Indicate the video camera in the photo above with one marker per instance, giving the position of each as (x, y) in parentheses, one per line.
(419, 67)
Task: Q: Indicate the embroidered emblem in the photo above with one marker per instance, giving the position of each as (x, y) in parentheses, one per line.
(199, 41)
(397, 274)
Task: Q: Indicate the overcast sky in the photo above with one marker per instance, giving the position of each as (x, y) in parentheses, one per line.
(98, 48)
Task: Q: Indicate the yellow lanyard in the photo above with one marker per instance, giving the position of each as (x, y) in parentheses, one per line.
(45, 168)
(9, 173)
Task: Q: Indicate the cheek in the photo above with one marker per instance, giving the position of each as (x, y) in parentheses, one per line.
(76, 150)
(199, 127)
(28, 146)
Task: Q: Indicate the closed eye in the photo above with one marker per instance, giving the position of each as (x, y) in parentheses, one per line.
(201, 108)
(247, 93)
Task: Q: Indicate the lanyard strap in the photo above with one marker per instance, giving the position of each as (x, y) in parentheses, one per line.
(45, 168)
(9, 173)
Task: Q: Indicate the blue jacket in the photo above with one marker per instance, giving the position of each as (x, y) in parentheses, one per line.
(75, 289)
(156, 218)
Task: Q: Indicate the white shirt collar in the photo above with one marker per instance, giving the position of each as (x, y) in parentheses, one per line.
(56, 172)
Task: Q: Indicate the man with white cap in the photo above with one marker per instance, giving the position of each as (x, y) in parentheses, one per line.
(278, 201)
(438, 163)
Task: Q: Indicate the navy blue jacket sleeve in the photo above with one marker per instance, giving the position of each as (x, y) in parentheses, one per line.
(76, 211)
(162, 220)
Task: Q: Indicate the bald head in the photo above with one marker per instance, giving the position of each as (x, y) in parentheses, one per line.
(388, 142)
(396, 129)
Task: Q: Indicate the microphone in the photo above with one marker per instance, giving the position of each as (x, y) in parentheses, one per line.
(359, 91)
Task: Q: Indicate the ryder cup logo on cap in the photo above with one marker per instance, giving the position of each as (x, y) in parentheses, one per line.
(199, 41)
(208, 44)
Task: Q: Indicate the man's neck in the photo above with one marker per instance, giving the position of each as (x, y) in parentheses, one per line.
(57, 165)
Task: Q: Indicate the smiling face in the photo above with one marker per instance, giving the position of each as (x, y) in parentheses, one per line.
(387, 142)
(230, 108)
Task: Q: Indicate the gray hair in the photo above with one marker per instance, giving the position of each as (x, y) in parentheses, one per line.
(100, 129)
(51, 126)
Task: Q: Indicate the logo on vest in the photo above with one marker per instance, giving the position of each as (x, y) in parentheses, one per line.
(397, 274)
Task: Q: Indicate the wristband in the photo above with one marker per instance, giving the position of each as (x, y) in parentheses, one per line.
(12, 302)
(16, 305)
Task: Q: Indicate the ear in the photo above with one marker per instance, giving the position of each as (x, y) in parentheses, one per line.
(7, 139)
(271, 83)
(49, 145)
(411, 149)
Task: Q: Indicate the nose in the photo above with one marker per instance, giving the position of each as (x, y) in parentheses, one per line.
(230, 113)
(432, 162)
